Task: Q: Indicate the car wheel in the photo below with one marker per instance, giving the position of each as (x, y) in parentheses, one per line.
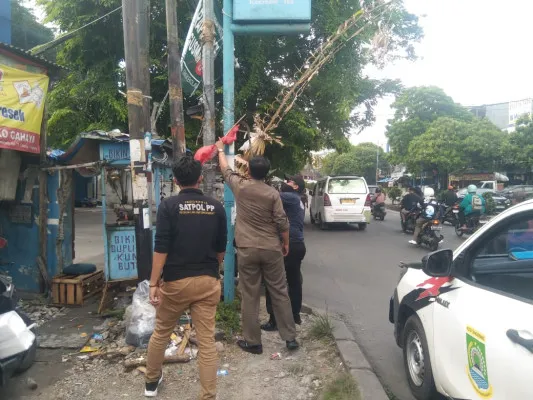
(362, 227)
(323, 225)
(416, 360)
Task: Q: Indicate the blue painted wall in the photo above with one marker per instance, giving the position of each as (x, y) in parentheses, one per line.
(23, 239)
(5, 21)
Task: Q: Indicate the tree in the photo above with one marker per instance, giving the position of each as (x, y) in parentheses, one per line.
(520, 147)
(26, 31)
(415, 110)
(451, 145)
(359, 160)
(322, 116)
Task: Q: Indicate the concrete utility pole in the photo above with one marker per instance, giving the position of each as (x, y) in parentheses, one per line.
(136, 22)
(208, 72)
(177, 122)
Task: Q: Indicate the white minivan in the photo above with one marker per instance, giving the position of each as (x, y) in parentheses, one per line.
(340, 199)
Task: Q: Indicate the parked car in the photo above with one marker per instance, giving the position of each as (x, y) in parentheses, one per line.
(501, 202)
(340, 199)
(461, 317)
(86, 202)
(517, 193)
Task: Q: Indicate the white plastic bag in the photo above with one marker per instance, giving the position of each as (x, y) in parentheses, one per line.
(142, 322)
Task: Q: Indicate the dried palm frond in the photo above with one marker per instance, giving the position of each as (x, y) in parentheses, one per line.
(261, 135)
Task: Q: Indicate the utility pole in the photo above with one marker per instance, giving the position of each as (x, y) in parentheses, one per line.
(177, 122)
(377, 164)
(229, 118)
(208, 72)
(136, 23)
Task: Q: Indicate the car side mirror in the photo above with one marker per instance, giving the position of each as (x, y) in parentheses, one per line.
(311, 193)
(438, 263)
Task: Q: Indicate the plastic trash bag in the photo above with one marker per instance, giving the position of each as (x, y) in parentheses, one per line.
(206, 153)
(142, 320)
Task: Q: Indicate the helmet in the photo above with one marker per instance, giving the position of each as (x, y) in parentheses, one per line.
(471, 188)
(429, 192)
(450, 187)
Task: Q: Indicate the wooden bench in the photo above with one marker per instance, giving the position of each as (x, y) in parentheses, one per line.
(74, 290)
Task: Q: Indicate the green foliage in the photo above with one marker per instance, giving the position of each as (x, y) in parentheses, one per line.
(415, 110)
(322, 328)
(359, 160)
(26, 32)
(394, 193)
(520, 146)
(490, 204)
(452, 145)
(343, 387)
(322, 117)
(228, 317)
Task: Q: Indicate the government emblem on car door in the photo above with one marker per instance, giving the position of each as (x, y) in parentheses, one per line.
(477, 363)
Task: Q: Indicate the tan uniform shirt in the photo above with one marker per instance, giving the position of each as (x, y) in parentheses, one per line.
(260, 214)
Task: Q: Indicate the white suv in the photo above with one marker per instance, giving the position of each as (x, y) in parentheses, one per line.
(465, 319)
(340, 199)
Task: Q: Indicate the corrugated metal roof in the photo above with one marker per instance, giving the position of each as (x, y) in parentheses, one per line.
(53, 68)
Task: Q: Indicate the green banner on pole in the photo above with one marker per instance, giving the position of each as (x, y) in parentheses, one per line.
(191, 59)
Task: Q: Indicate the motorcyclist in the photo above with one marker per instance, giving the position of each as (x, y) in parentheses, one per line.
(380, 197)
(449, 198)
(472, 205)
(409, 202)
(429, 211)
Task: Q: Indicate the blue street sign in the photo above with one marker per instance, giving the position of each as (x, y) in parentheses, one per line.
(246, 11)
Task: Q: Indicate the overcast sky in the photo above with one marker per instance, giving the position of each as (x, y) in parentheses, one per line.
(478, 51)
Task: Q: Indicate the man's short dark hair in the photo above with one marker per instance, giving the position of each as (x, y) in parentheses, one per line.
(259, 167)
(187, 170)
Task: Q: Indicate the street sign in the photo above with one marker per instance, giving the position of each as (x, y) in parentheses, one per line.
(271, 11)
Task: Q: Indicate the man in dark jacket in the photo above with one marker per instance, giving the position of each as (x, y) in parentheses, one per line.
(449, 198)
(410, 202)
(190, 243)
(295, 210)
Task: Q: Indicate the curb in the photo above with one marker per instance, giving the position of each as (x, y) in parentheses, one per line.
(356, 363)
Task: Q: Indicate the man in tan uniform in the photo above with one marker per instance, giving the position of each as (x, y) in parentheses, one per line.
(262, 238)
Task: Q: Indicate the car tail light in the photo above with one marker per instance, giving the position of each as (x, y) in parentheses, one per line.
(368, 201)
(327, 201)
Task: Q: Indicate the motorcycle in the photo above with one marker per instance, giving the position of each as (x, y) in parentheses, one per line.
(451, 215)
(18, 343)
(409, 224)
(473, 223)
(378, 211)
(430, 234)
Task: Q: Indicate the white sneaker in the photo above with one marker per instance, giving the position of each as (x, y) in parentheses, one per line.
(150, 389)
(413, 242)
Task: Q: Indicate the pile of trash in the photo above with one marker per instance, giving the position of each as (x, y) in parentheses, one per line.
(125, 341)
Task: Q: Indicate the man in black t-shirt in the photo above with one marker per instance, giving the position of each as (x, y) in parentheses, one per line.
(190, 243)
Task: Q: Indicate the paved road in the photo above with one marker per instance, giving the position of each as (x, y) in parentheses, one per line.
(354, 273)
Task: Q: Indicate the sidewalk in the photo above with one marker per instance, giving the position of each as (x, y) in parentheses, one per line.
(277, 374)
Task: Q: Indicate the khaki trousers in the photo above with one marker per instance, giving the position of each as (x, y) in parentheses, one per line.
(201, 295)
(256, 265)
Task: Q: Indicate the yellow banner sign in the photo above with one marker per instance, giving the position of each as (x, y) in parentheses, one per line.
(22, 97)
